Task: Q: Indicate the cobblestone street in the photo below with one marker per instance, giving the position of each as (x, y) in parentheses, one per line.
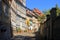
(24, 36)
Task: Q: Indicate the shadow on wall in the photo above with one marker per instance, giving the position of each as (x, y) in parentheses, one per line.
(5, 32)
(41, 33)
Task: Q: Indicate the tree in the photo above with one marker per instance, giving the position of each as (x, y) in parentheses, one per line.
(42, 19)
(58, 10)
(46, 12)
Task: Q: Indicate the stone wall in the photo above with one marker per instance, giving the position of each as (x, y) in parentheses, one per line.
(56, 28)
(5, 22)
(52, 25)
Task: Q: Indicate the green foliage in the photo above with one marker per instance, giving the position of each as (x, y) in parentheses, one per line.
(41, 18)
(25, 30)
(18, 29)
(46, 12)
(58, 10)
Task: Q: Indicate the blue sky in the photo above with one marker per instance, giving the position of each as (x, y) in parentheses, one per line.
(42, 4)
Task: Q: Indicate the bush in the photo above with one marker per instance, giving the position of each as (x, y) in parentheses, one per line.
(18, 29)
(25, 30)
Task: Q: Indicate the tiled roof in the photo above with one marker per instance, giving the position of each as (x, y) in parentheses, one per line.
(37, 11)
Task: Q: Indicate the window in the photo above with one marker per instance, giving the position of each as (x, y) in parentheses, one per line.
(13, 23)
(17, 18)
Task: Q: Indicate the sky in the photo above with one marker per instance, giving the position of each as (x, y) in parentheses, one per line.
(42, 4)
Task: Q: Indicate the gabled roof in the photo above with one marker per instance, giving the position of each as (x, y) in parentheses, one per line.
(31, 13)
(37, 11)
